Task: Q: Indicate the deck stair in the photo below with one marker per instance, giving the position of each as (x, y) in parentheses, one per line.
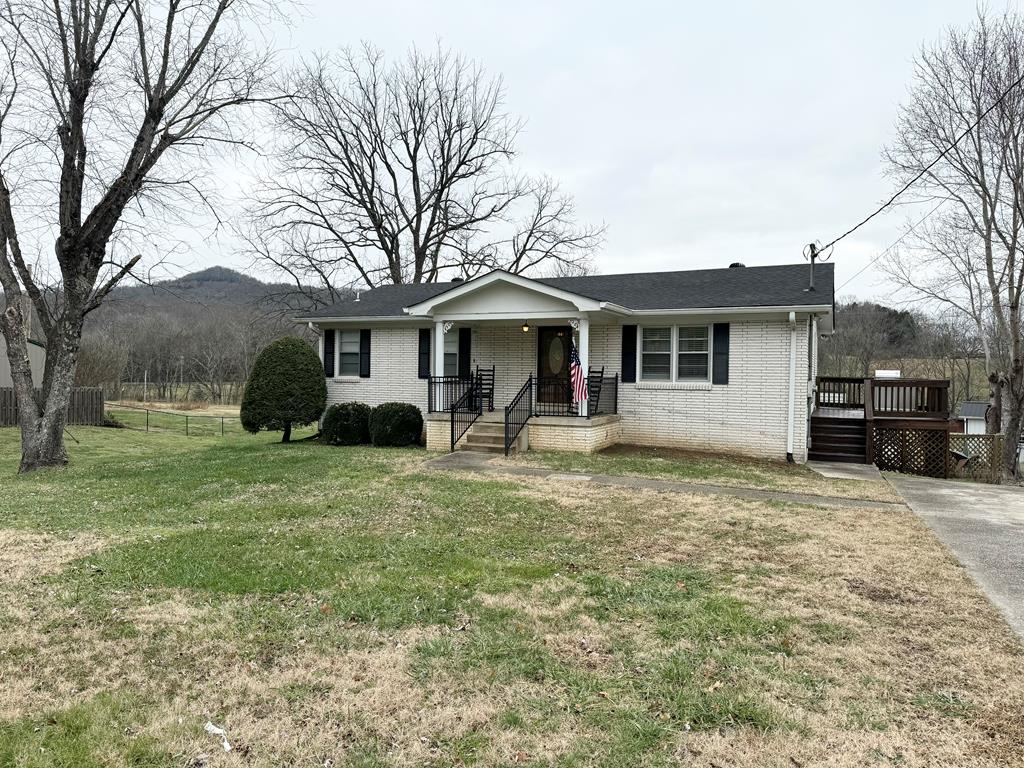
(838, 439)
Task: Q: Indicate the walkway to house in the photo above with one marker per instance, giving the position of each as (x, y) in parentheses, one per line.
(984, 527)
(470, 461)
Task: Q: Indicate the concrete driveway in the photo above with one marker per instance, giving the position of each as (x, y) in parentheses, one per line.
(984, 527)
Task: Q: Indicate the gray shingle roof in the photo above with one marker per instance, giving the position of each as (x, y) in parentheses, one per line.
(973, 409)
(776, 286)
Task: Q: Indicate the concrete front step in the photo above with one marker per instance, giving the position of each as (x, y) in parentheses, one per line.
(482, 447)
(488, 428)
(478, 439)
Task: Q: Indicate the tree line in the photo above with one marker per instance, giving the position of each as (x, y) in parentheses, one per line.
(918, 343)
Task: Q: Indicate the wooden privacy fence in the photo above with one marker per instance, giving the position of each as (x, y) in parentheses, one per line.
(984, 453)
(85, 409)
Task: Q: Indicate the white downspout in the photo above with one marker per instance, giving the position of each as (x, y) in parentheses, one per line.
(792, 387)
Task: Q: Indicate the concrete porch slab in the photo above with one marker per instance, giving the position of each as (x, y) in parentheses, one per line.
(843, 471)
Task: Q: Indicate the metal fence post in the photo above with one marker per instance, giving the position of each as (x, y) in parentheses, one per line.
(186, 425)
(222, 426)
(147, 420)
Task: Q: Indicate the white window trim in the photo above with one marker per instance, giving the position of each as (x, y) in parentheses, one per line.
(675, 382)
(337, 356)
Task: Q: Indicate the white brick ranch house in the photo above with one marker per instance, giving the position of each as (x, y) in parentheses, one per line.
(719, 359)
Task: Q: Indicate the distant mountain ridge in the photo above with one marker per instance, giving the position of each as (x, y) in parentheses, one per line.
(214, 285)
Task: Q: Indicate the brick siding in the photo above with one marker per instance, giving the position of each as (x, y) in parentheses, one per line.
(747, 416)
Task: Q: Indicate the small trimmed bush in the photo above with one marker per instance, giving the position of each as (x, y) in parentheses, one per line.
(347, 424)
(396, 424)
(286, 388)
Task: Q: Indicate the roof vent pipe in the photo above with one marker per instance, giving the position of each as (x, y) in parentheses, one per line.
(457, 280)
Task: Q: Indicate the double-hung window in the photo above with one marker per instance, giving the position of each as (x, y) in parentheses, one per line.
(693, 353)
(675, 353)
(656, 354)
(348, 353)
(451, 354)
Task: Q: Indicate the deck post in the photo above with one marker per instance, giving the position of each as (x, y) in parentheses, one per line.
(869, 419)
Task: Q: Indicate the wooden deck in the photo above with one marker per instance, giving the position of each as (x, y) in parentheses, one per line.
(896, 424)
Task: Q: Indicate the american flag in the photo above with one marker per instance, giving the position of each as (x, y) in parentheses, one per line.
(579, 380)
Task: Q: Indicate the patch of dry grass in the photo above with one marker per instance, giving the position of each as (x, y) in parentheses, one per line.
(703, 467)
(899, 658)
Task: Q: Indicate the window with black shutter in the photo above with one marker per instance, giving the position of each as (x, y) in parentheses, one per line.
(720, 354)
(329, 353)
(364, 353)
(629, 353)
(424, 353)
(465, 351)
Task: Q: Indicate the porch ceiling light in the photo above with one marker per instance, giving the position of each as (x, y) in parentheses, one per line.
(526, 327)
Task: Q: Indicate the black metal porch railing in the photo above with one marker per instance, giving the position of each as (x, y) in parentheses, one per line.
(517, 413)
(553, 397)
(466, 410)
(444, 391)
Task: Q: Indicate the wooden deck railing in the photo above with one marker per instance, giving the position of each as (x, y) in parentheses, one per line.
(885, 398)
(908, 398)
(839, 392)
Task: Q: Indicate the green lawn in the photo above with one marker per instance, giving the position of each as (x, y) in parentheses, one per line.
(347, 606)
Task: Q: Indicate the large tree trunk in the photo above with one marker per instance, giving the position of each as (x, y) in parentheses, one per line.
(994, 414)
(43, 444)
(42, 412)
(1013, 416)
(287, 437)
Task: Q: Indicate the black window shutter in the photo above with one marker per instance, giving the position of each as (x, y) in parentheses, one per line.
(465, 351)
(424, 354)
(329, 352)
(720, 354)
(629, 353)
(364, 353)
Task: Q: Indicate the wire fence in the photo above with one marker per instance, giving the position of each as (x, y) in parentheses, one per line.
(149, 420)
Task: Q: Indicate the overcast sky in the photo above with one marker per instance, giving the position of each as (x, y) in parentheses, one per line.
(701, 133)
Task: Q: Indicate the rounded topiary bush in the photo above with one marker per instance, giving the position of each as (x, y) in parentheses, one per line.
(396, 424)
(286, 388)
(347, 424)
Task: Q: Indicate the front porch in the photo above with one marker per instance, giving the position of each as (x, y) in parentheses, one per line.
(543, 433)
(498, 377)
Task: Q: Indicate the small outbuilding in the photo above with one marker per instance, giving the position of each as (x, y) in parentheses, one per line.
(972, 413)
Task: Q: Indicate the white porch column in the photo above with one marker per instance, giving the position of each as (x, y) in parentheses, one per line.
(438, 348)
(584, 352)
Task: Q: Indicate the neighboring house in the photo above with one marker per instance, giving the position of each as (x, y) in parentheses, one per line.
(36, 357)
(718, 360)
(972, 412)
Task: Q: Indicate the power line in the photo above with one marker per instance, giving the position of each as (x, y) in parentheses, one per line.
(892, 245)
(930, 165)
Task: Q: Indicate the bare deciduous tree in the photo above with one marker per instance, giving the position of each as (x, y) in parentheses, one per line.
(402, 174)
(971, 259)
(95, 96)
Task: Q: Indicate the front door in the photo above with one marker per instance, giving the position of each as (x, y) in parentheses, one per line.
(553, 344)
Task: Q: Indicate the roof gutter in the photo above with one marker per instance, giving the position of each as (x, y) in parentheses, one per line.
(605, 306)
